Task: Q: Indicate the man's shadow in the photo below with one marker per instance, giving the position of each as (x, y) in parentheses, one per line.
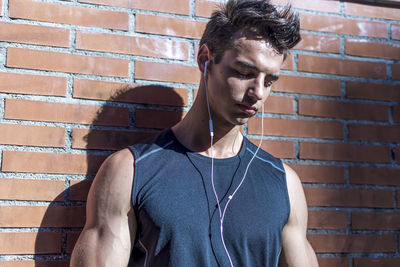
(65, 216)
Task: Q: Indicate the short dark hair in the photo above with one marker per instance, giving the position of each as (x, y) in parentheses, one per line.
(281, 28)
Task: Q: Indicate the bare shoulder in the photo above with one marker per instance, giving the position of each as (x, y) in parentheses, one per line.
(120, 159)
(297, 251)
(110, 221)
(112, 186)
(292, 179)
(117, 170)
(298, 205)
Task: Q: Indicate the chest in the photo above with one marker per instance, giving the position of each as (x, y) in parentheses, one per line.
(180, 199)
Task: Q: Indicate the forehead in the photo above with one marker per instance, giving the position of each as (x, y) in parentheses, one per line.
(256, 51)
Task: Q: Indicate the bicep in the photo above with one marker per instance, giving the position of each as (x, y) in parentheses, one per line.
(296, 249)
(110, 225)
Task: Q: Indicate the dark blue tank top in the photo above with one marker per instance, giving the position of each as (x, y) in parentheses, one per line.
(176, 210)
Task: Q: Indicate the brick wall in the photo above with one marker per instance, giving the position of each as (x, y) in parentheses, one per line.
(80, 79)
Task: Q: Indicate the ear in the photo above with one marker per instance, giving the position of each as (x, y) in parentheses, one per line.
(203, 55)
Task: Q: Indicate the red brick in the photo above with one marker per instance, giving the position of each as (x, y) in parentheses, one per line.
(32, 84)
(398, 195)
(373, 91)
(33, 34)
(14, 134)
(396, 71)
(105, 139)
(30, 243)
(157, 119)
(288, 64)
(131, 45)
(379, 133)
(307, 85)
(72, 237)
(376, 262)
(374, 176)
(35, 263)
(316, 5)
(28, 189)
(68, 14)
(296, 128)
(319, 43)
(396, 113)
(325, 23)
(322, 219)
(375, 220)
(195, 91)
(343, 110)
(345, 152)
(41, 216)
(366, 48)
(379, 12)
(344, 197)
(196, 50)
(279, 104)
(169, 6)
(79, 190)
(169, 26)
(130, 93)
(279, 149)
(395, 29)
(333, 262)
(204, 8)
(19, 109)
(166, 72)
(66, 62)
(339, 66)
(320, 173)
(356, 243)
(21, 161)
(397, 157)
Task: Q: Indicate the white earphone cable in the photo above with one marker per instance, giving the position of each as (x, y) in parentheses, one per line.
(222, 214)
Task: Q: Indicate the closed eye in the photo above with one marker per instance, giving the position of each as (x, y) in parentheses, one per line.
(243, 74)
(270, 79)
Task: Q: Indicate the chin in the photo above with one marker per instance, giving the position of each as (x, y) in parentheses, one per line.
(241, 121)
(238, 119)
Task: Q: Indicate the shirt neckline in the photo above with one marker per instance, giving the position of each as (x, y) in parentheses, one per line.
(242, 150)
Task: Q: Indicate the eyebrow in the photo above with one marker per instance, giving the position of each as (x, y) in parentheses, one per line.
(251, 66)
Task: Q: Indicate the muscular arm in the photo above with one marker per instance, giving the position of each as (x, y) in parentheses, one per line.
(297, 251)
(110, 227)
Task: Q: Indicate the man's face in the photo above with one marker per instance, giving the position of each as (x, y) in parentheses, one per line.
(241, 82)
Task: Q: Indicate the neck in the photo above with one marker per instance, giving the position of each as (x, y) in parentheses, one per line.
(193, 132)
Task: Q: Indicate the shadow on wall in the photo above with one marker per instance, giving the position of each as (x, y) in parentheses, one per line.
(65, 216)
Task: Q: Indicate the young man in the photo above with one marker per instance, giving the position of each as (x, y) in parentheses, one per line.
(200, 194)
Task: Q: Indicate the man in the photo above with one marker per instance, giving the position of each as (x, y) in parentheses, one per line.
(200, 194)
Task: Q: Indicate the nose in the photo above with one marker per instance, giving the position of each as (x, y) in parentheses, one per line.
(257, 89)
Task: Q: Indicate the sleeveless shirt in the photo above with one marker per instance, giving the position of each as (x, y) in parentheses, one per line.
(178, 222)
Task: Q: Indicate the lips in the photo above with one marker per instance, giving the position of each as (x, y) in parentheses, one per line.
(250, 110)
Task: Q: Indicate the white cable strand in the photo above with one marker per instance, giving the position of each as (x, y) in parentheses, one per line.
(248, 165)
(222, 215)
(211, 139)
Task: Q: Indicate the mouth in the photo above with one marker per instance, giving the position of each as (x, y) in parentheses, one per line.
(249, 110)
